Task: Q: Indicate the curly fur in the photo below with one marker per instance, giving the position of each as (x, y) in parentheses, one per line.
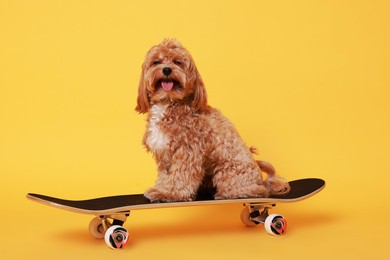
(199, 153)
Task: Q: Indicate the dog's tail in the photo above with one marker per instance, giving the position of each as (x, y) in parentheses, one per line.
(266, 167)
(274, 183)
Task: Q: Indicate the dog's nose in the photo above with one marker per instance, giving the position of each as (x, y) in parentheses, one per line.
(167, 71)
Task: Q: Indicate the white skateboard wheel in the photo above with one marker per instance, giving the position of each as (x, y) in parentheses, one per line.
(275, 224)
(116, 237)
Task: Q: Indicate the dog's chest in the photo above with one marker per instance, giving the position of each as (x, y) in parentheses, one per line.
(156, 140)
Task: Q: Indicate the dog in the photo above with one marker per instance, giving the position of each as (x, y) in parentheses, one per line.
(199, 153)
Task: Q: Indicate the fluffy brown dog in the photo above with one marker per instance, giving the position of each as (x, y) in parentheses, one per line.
(197, 150)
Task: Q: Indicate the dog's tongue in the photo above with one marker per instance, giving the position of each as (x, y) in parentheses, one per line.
(167, 85)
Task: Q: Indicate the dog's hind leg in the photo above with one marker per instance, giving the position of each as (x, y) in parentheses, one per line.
(239, 181)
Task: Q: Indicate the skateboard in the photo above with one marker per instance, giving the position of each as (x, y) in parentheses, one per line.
(112, 212)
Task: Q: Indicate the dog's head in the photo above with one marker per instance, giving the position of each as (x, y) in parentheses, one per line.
(169, 74)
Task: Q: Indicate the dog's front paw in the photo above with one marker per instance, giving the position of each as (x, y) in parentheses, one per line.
(155, 195)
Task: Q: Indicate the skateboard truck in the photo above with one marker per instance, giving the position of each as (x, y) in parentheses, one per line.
(117, 219)
(258, 214)
(254, 214)
(110, 227)
(101, 223)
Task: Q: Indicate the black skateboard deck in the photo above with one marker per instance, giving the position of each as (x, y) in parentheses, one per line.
(300, 189)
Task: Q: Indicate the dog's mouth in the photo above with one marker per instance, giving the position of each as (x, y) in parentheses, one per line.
(168, 85)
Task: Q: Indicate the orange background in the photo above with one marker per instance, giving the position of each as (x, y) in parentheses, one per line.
(307, 82)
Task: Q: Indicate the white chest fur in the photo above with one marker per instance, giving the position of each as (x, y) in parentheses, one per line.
(156, 140)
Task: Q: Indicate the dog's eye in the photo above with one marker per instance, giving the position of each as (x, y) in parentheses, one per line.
(156, 62)
(177, 62)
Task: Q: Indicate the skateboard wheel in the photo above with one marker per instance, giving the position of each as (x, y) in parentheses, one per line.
(275, 224)
(116, 237)
(96, 228)
(245, 218)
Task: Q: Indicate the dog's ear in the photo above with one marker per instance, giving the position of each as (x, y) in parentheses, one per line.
(199, 101)
(143, 103)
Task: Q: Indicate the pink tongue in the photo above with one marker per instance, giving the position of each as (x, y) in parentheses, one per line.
(167, 85)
